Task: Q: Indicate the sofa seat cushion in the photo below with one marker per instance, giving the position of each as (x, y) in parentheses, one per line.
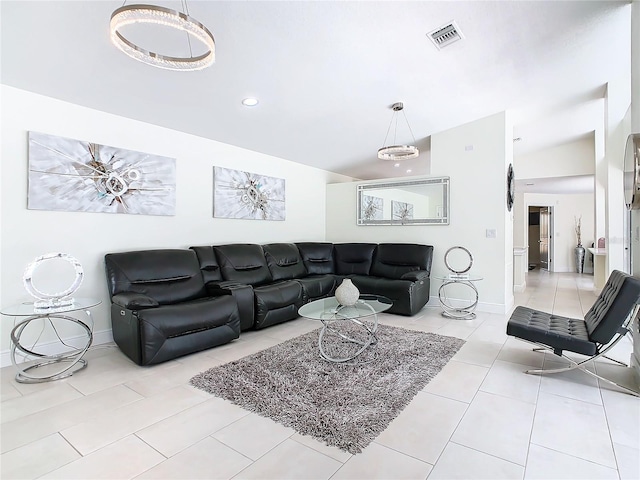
(392, 289)
(189, 317)
(277, 302)
(408, 296)
(278, 294)
(317, 286)
(540, 327)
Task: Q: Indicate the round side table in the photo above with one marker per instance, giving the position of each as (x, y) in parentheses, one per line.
(464, 311)
(60, 365)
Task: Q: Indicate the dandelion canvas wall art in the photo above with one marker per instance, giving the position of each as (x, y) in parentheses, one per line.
(246, 195)
(74, 175)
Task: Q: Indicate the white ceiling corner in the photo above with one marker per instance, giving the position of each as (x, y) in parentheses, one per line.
(326, 72)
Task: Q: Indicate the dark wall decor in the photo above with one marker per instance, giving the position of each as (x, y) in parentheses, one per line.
(511, 187)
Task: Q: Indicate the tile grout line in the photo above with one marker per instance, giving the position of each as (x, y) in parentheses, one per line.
(533, 420)
(573, 456)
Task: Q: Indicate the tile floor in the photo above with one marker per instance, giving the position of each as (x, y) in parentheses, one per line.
(481, 417)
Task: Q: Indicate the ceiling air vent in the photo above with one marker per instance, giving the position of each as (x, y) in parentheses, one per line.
(445, 35)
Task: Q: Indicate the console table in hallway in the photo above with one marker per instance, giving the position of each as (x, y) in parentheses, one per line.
(599, 267)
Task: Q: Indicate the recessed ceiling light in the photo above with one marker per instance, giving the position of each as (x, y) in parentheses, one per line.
(397, 165)
(409, 171)
(250, 102)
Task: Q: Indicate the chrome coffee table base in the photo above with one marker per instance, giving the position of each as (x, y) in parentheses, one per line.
(348, 333)
(336, 330)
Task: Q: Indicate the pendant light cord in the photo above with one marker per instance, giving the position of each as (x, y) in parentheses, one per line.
(388, 129)
(395, 132)
(186, 11)
(405, 119)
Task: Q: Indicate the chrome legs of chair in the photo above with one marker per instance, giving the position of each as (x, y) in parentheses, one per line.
(581, 365)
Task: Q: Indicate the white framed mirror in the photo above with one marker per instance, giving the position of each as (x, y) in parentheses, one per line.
(423, 201)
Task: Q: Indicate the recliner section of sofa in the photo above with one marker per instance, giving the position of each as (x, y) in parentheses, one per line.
(216, 286)
(320, 281)
(160, 307)
(268, 271)
(401, 272)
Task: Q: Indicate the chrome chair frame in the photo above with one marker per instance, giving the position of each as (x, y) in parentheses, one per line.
(606, 323)
(622, 332)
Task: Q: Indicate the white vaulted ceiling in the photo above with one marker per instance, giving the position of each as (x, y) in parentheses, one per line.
(326, 72)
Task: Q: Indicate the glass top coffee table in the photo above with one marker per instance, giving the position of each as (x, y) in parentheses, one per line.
(347, 331)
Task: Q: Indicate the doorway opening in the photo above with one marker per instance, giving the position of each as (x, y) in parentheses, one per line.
(540, 237)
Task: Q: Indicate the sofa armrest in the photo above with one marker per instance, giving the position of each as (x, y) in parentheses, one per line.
(222, 287)
(415, 275)
(134, 301)
(242, 293)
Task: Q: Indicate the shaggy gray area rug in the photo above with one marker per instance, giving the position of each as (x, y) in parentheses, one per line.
(346, 406)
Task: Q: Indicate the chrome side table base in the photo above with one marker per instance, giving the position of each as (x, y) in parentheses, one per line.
(335, 329)
(70, 361)
(464, 312)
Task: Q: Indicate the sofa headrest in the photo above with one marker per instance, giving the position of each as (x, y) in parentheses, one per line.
(243, 263)
(168, 276)
(284, 261)
(317, 257)
(353, 258)
(208, 264)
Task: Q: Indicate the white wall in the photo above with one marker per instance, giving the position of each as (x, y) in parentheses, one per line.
(475, 156)
(554, 162)
(618, 128)
(88, 236)
(572, 158)
(565, 208)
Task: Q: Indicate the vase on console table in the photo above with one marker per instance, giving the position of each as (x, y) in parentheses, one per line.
(347, 293)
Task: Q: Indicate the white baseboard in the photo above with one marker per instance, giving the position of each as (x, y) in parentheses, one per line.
(520, 288)
(53, 347)
(485, 307)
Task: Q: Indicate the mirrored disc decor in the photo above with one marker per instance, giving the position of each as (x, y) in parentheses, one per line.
(79, 176)
(246, 195)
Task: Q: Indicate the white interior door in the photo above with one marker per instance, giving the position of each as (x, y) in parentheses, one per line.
(544, 237)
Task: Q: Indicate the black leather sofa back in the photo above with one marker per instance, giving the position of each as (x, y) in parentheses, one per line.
(393, 260)
(243, 263)
(284, 261)
(167, 276)
(208, 264)
(317, 257)
(353, 258)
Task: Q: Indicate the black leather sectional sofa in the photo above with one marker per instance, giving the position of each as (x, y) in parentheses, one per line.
(169, 303)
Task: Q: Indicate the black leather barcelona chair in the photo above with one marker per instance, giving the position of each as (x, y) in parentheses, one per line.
(604, 325)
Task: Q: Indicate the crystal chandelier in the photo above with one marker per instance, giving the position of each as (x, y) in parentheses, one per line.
(398, 152)
(151, 14)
